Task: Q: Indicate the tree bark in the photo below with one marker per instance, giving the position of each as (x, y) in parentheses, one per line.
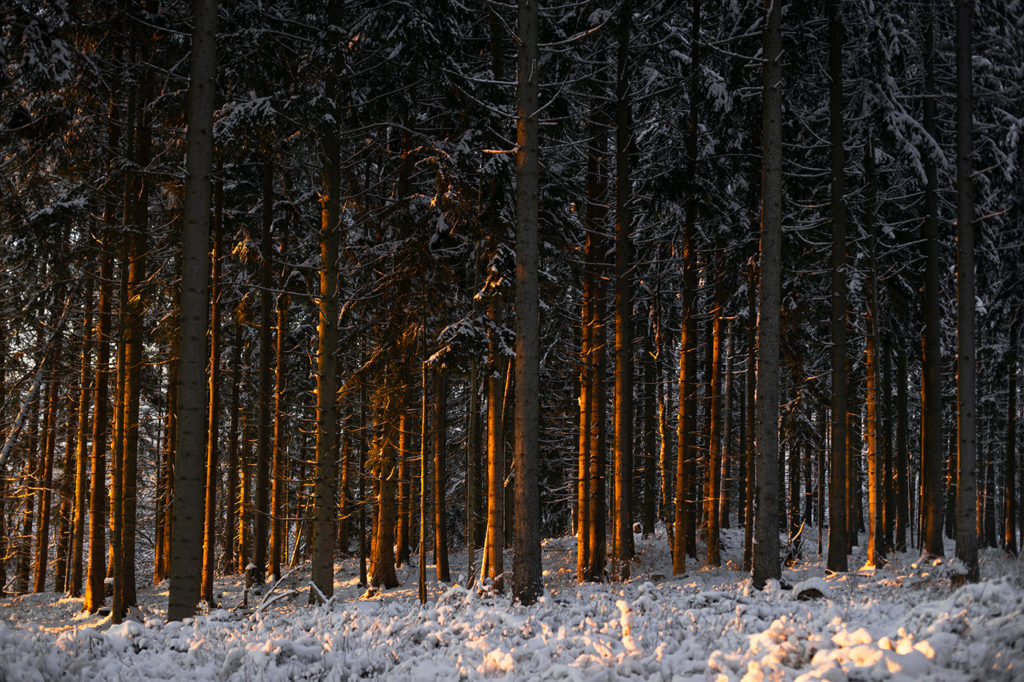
(527, 584)
(966, 423)
(94, 589)
(213, 409)
(264, 404)
(623, 420)
(186, 540)
(766, 549)
(1010, 462)
(440, 475)
(278, 484)
(81, 445)
(837, 540)
(876, 483)
(931, 361)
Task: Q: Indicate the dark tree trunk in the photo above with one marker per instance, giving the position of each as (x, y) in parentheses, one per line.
(966, 423)
(441, 476)
(838, 543)
(931, 360)
(186, 540)
(766, 550)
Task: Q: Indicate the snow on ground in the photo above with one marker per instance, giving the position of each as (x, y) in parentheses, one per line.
(900, 622)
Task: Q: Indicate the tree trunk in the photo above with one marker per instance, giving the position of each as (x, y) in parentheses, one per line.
(402, 523)
(876, 483)
(278, 485)
(650, 442)
(49, 444)
(213, 410)
(966, 423)
(186, 540)
(81, 444)
(422, 568)
(687, 418)
(527, 584)
(931, 361)
(902, 458)
(750, 479)
(623, 452)
(712, 501)
(766, 549)
(440, 475)
(1010, 463)
(94, 588)
(492, 567)
(231, 488)
(326, 378)
(264, 404)
(382, 551)
(837, 541)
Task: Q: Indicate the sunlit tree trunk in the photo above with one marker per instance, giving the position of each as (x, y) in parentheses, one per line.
(583, 520)
(966, 424)
(186, 540)
(597, 487)
(81, 475)
(493, 567)
(388, 401)
(278, 487)
(213, 408)
(422, 568)
(94, 589)
(876, 483)
(766, 548)
(402, 522)
(440, 475)
(326, 379)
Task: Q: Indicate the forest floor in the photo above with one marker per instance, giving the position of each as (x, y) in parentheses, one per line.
(901, 622)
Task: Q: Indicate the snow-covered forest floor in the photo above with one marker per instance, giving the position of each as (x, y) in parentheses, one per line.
(904, 621)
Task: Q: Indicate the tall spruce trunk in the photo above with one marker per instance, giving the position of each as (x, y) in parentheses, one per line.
(81, 448)
(876, 470)
(264, 404)
(931, 360)
(837, 540)
(527, 583)
(623, 418)
(96, 571)
(186, 540)
(766, 532)
(278, 483)
(231, 486)
(966, 423)
(686, 425)
(213, 408)
(1010, 462)
(440, 475)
